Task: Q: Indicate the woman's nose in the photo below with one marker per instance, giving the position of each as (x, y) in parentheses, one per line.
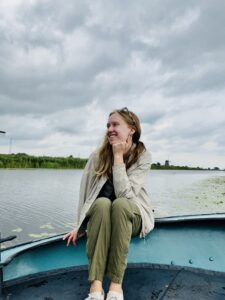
(110, 128)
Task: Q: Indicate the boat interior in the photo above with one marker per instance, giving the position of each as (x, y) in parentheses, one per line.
(144, 281)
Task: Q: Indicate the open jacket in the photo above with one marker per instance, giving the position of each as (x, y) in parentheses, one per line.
(127, 183)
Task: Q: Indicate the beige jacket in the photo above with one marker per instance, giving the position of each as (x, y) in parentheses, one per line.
(129, 184)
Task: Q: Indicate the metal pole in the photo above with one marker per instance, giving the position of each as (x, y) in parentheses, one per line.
(10, 145)
(1, 273)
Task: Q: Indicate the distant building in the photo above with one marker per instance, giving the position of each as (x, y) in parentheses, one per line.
(167, 163)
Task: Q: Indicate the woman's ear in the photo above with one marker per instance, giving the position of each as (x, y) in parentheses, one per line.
(132, 131)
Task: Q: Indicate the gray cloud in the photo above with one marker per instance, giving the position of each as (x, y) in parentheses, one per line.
(65, 65)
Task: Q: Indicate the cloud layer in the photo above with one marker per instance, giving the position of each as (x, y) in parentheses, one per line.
(65, 65)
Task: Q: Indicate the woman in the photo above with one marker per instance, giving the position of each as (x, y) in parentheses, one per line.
(113, 204)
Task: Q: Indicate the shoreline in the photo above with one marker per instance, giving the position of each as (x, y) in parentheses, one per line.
(151, 169)
(26, 161)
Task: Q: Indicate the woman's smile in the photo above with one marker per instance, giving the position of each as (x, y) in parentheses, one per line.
(112, 135)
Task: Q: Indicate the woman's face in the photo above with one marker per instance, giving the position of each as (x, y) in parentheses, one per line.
(117, 129)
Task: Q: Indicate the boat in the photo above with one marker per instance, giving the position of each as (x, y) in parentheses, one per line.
(182, 258)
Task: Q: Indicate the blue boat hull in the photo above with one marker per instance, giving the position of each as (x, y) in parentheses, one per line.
(181, 255)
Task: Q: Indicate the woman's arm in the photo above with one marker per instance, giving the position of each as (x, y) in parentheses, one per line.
(129, 185)
(86, 177)
(73, 235)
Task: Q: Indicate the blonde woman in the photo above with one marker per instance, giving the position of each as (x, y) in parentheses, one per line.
(113, 204)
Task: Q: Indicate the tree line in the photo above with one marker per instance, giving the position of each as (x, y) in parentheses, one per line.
(158, 166)
(23, 160)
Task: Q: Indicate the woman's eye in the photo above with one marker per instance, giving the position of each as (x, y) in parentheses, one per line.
(113, 125)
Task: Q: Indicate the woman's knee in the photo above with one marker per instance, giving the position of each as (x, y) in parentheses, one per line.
(120, 204)
(121, 217)
(102, 205)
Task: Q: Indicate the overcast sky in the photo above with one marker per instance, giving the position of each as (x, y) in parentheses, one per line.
(64, 65)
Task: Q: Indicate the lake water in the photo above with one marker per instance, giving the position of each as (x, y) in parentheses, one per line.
(37, 203)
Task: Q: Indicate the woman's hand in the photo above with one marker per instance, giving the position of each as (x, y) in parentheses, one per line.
(71, 236)
(121, 148)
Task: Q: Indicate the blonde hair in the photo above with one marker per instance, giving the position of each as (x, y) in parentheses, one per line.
(105, 154)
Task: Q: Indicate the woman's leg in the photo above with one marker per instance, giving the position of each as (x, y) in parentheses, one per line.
(126, 222)
(98, 240)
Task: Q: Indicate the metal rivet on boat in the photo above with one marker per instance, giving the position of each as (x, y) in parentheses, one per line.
(211, 258)
(191, 261)
(172, 262)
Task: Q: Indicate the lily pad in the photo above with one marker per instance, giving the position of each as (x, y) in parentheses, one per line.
(47, 226)
(18, 229)
(39, 235)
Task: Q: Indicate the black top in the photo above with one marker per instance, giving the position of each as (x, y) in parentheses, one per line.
(107, 191)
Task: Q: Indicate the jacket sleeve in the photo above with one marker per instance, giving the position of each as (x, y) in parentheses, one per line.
(129, 186)
(84, 185)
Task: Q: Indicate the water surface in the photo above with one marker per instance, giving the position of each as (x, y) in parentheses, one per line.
(36, 203)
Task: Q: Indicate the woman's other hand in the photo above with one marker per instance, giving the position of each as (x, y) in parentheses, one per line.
(71, 236)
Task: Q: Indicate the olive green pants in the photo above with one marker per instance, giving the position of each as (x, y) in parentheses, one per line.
(109, 230)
